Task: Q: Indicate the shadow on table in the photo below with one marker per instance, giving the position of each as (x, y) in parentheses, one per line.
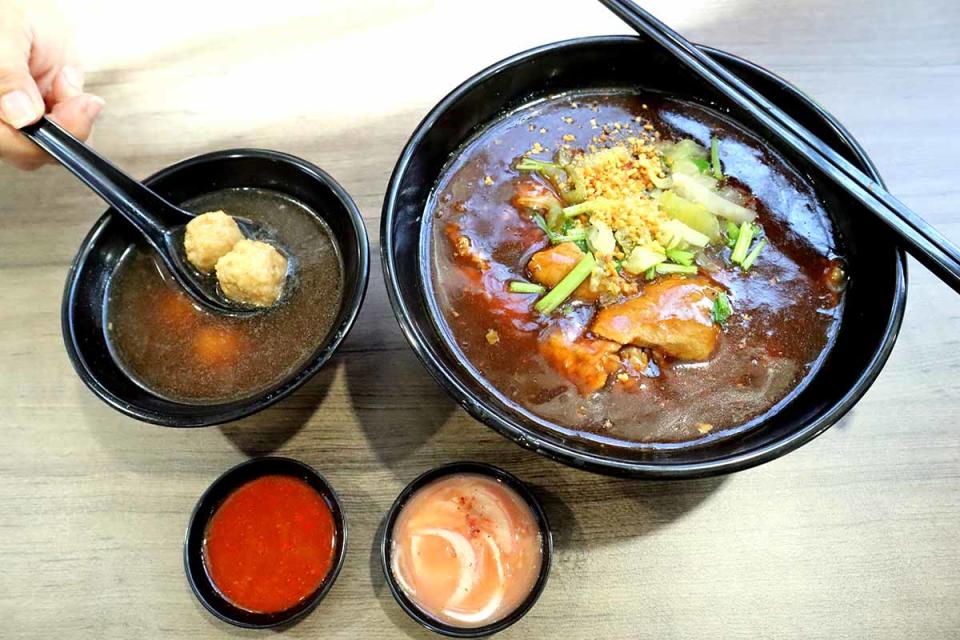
(265, 432)
(398, 405)
(588, 511)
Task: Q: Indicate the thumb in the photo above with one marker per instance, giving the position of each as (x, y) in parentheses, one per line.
(20, 100)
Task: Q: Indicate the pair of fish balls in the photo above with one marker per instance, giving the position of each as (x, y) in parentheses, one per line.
(249, 271)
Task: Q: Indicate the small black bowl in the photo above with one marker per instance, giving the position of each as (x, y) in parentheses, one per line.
(211, 500)
(416, 612)
(875, 298)
(101, 251)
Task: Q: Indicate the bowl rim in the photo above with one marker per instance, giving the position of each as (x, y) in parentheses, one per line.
(228, 477)
(352, 300)
(474, 405)
(546, 536)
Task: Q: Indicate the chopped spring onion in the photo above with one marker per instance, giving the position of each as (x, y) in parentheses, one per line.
(744, 237)
(715, 158)
(752, 256)
(533, 164)
(518, 286)
(651, 273)
(680, 256)
(577, 209)
(722, 309)
(666, 267)
(701, 163)
(566, 286)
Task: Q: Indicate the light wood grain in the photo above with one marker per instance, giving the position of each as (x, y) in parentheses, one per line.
(853, 536)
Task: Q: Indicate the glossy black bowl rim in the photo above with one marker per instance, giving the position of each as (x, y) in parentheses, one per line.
(259, 401)
(546, 537)
(227, 477)
(582, 459)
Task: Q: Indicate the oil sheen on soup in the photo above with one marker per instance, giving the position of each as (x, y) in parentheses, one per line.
(633, 269)
(181, 352)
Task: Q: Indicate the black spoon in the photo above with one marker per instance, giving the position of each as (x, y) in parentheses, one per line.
(161, 223)
(920, 239)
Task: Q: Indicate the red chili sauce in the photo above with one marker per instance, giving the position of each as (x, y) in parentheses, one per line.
(270, 544)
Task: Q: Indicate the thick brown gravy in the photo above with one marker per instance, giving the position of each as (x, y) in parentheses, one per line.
(181, 352)
(786, 310)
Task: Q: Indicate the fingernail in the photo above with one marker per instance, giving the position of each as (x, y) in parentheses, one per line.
(74, 77)
(94, 106)
(17, 109)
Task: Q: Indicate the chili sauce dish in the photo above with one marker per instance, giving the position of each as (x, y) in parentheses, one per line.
(147, 349)
(609, 266)
(265, 543)
(466, 549)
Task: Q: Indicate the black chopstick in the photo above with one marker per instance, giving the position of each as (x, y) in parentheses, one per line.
(920, 239)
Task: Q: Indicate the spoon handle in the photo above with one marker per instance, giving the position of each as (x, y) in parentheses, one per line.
(135, 202)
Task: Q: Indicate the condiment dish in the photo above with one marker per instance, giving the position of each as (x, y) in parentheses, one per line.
(416, 612)
(193, 561)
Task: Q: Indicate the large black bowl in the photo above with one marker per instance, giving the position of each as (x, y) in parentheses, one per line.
(101, 251)
(875, 299)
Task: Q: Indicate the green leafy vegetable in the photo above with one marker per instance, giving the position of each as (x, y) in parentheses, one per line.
(722, 309)
(518, 286)
(651, 273)
(566, 286)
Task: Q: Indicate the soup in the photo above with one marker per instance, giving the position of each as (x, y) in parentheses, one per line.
(270, 544)
(184, 353)
(467, 549)
(632, 269)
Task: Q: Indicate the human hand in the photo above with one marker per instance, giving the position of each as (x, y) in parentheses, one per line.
(38, 74)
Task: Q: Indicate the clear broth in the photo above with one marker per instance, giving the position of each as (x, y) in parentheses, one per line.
(181, 352)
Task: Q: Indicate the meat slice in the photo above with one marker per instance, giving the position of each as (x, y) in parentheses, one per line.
(585, 362)
(548, 267)
(673, 315)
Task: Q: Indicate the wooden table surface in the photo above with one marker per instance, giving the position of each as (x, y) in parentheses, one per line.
(852, 536)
